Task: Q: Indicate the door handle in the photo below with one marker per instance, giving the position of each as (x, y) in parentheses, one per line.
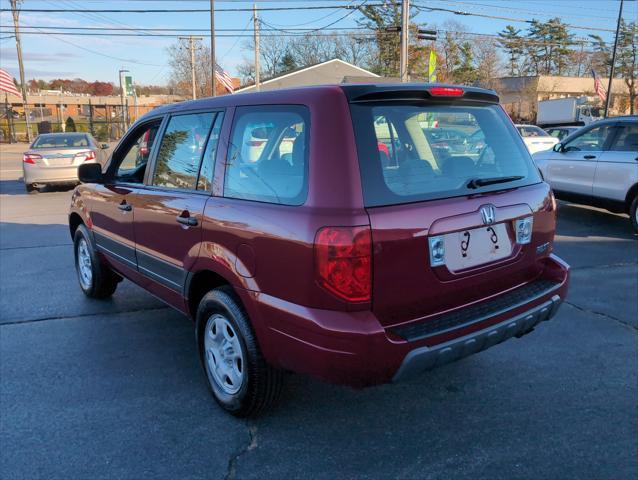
(125, 207)
(188, 221)
(589, 157)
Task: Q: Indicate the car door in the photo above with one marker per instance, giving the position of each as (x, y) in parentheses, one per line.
(617, 168)
(111, 202)
(168, 210)
(572, 169)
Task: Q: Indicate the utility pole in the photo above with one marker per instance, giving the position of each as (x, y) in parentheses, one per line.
(23, 84)
(191, 45)
(257, 52)
(405, 21)
(613, 61)
(120, 72)
(213, 80)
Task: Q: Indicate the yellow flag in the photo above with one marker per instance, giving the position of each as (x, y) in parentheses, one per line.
(432, 67)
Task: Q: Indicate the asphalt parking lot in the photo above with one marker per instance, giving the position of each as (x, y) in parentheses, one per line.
(113, 389)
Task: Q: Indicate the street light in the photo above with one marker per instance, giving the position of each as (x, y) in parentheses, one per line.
(124, 122)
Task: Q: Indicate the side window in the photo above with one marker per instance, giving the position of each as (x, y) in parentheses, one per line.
(133, 162)
(208, 162)
(268, 154)
(627, 139)
(181, 149)
(591, 141)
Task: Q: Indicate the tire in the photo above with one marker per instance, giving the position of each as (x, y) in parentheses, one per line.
(255, 386)
(96, 279)
(30, 188)
(633, 213)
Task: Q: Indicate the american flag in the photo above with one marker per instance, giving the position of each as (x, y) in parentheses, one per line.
(224, 78)
(598, 86)
(7, 85)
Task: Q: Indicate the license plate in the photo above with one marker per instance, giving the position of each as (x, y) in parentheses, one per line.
(478, 246)
(59, 161)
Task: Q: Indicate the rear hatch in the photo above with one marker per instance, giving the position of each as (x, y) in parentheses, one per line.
(444, 222)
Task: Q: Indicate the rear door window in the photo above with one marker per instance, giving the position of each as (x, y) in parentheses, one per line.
(627, 139)
(180, 153)
(268, 155)
(412, 152)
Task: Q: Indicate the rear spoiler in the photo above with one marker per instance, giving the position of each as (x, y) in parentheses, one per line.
(417, 92)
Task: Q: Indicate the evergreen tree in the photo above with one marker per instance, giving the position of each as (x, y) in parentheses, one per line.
(70, 125)
(512, 42)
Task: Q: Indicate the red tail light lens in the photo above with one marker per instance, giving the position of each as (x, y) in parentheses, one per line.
(88, 155)
(446, 91)
(30, 158)
(343, 258)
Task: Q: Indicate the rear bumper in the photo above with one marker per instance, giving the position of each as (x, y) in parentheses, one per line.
(425, 358)
(353, 348)
(37, 174)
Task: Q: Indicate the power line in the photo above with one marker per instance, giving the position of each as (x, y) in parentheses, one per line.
(424, 8)
(183, 10)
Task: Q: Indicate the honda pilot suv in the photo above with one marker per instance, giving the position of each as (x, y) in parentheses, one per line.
(345, 247)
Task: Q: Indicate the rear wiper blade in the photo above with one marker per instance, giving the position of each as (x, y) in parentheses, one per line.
(481, 182)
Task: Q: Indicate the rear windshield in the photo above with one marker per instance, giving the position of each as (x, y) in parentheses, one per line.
(61, 141)
(531, 131)
(409, 153)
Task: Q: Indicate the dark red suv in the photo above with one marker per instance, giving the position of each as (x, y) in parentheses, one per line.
(317, 230)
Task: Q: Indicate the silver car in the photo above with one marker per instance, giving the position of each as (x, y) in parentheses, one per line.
(53, 158)
(597, 165)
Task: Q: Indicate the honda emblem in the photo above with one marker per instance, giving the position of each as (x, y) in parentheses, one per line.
(488, 214)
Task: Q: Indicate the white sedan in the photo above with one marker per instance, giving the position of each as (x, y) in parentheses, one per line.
(536, 139)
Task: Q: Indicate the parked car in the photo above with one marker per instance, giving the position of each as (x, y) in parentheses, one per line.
(53, 158)
(536, 139)
(476, 142)
(597, 165)
(561, 132)
(450, 141)
(328, 260)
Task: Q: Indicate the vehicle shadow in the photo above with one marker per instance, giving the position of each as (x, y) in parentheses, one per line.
(16, 187)
(585, 221)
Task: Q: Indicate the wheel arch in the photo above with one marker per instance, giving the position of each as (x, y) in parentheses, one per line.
(75, 220)
(631, 194)
(198, 284)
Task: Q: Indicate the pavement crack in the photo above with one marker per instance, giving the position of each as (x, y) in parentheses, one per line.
(67, 317)
(231, 473)
(602, 314)
(609, 265)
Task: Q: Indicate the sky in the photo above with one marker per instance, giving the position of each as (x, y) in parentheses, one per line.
(100, 57)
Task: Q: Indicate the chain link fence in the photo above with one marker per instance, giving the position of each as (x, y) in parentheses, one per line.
(104, 123)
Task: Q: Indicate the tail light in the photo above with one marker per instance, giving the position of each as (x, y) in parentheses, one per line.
(30, 158)
(88, 155)
(446, 91)
(343, 257)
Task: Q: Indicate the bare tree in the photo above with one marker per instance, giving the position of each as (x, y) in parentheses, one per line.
(488, 67)
(180, 64)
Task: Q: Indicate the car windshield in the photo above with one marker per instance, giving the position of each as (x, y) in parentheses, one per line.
(61, 141)
(403, 159)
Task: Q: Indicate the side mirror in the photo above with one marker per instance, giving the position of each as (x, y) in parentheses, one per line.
(104, 146)
(90, 173)
(558, 147)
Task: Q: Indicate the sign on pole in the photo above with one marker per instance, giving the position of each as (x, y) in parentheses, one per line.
(128, 86)
(432, 67)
